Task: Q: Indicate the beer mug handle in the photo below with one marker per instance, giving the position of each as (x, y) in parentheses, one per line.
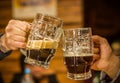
(23, 51)
(59, 32)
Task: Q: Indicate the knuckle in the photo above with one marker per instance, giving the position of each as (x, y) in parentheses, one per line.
(8, 37)
(104, 39)
(8, 42)
(11, 21)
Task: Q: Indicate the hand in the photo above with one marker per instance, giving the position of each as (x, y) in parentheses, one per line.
(104, 59)
(14, 36)
(102, 53)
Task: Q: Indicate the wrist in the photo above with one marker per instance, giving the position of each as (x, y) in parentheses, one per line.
(3, 46)
(113, 66)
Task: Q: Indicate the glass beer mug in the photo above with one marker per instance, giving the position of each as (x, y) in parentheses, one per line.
(43, 40)
(78, 52)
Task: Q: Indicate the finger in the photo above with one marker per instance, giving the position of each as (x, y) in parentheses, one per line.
(18, 38)
(96, 45)
(96, 51)
(105, 49)
(24, 26)
(95, 62)
(94, 66)
(17, 31)
(96, 39)
(14, 45)
(14, 29)
(96, 56)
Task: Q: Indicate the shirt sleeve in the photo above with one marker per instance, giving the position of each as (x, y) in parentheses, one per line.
(104, 78)
(2, 54)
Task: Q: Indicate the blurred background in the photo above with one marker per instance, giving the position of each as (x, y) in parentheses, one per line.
(101, 15)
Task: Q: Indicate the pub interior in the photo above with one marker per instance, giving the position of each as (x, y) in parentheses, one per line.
(101, 15)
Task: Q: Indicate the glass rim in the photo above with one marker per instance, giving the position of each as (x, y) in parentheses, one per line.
(84, 28)
(53, 17)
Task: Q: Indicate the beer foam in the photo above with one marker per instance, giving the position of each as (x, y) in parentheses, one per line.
(72, 54)
(38, 44)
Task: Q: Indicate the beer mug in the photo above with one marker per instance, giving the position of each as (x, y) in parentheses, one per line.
(78, 52)
(43, 40)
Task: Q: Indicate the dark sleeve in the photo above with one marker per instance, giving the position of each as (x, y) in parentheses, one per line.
(117, 80)
(2, 54)
(52, 79)
(106, 79)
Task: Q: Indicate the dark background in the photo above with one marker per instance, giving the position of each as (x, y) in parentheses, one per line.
(104, 17)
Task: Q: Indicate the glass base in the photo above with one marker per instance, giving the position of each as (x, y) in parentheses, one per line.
(80, 76)
(37, 63)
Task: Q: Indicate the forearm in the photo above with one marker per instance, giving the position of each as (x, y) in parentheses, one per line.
(113, 66)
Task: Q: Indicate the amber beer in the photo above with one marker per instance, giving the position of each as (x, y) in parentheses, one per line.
(78, 64)
(41, 51)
